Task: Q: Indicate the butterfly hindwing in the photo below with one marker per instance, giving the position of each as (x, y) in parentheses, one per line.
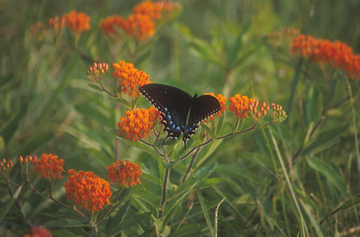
(175, 105)
(201, 108)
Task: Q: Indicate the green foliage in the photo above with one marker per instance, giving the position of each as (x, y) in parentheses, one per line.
(296, 178)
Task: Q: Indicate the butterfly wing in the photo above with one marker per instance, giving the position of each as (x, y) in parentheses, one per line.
(201, 108)
(173, 103)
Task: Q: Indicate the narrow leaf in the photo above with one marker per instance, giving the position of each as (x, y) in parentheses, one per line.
(329, 172)
(129, 222)
(205, 212)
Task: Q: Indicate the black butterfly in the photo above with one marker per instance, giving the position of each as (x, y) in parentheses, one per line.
(176, 105)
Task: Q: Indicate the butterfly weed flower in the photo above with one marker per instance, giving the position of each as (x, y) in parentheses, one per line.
(38, 231)
(77, 22)
(97, 71)
(57, 24)
(38, 30)
(87, 190)
(124, 173)
(258, 113)
(110, 25)
(239, 105)
(130, 78)
(148, 8)
(5, 167)
(137, 123)
(139, 26)
(49, 166)
(337, 54)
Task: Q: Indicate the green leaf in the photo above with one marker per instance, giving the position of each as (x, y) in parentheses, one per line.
(34, 143)
(96, 87)
(313, 106)
(119, 216)
(146, 196)
(150, 178)
(10, 128)
(65, 233)
(231, 126)
(124, 102)
(324, 138)
(205, 212)
(294, 83)
(186, 229)
(212, 134)
(329, 172)
(9, 204)
(89, 111)
(6, 79)
(209, 182)
(220, 124)
(129, 222)
(236, 46)
(65, 223)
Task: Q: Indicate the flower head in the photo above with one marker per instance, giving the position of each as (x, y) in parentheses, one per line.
(39, 231)
(57, 23)
(5, 166)
(97, 71)
(87, 190)
(49, 166)
(239, 105)
(130, 78)
(148, 8)
(137, 123)
(277, 113)
(139, 26)
(125, 174)
(77, 22)
(337, 54)
(109, 24)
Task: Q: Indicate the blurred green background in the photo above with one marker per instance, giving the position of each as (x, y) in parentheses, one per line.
(46, 105)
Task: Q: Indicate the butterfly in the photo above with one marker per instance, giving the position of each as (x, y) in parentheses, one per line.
(180, 112)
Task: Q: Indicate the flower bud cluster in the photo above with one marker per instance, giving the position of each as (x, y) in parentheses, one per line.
(5, 166)
(256, 114)
(278, 114)
(96, 72)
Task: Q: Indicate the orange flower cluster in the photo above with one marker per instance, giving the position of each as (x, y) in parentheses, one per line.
(87, 190)
(49, 166)
(148, 8)
(137, 123)
(129, 78)
(338, 54)
(138, 25)
(109, 24)
(222, 100)
(57, 23)
(77, 22)
(39, 231)
(239, 105)
(127, 174)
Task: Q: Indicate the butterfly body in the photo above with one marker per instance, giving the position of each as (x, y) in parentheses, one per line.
(180, 112)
